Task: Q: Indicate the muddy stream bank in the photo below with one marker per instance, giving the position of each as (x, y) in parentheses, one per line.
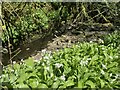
(49, 43)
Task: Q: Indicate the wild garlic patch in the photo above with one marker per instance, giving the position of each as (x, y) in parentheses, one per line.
(85, 65)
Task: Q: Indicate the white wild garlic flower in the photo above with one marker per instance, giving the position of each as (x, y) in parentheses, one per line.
(91, 41)
(83, 63)
(102, 72)
(12, 70)
(47, 68)
(14, 62)
(43, 51)
(51, 75)
(100, 40)
(116, 76)
(55, 79)
(116, 56)
(62, 77)
(46, 57)
(88, 59)
(110, 74)
(104, 66)
(0, 77)
(112, 80)
(36, 60)
(58, 65)
(111, 57)
(22, 60)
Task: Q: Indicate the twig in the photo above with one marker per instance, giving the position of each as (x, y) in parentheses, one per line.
(15, 54)
(16, 50)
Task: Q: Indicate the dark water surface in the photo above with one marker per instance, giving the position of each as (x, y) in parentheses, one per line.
(27, 50)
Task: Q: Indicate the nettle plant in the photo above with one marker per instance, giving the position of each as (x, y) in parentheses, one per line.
(84, 65)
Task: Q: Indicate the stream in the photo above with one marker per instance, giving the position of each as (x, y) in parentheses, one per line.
(27, 50)
(52, 44)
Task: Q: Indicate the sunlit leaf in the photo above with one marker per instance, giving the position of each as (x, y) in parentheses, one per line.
(29, 62)
(55, 84)
(22, 85)
(102, 83)
(42, 86)
(92, 85)
(80, 84)
(112, 64)
(69, 83)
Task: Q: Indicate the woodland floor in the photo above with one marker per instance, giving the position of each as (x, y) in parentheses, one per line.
(34, 49)
(70, 38)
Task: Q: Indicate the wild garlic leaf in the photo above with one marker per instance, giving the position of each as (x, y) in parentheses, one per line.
(69, 83)
(112, 64)
(80, 84)
(90, 83)
(55, 84)
(41, 85)
(29, 62)
(102, 82)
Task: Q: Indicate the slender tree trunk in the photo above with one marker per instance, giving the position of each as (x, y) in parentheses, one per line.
(0, 38)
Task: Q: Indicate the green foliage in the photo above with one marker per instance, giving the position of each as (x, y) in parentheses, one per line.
(84, 65)
(22, 21)
(113, 39)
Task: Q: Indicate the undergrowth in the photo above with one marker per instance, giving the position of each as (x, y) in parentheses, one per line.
(84, 65)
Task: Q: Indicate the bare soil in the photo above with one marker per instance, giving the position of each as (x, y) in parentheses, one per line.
(70, 38)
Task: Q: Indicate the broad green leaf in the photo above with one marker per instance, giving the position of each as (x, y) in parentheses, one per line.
(67, 69)
(114, 69)
(106, 76)
(85, 77)
(92, 85)
(106, 55)
(112, 64)
(102, 83)
(63, 86)
(42, 86)
(69, 83)
(66, 56)
(12, 78)
(95, 57)
(16, 66)
(71, 77)
(55, 84)
(22, 77)
(29, 62)
(33, 82)
(80, 84)
(49, 81)
(22, 85)
(31, 75)
(29, 70)
(45, 74)
(9, 67)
